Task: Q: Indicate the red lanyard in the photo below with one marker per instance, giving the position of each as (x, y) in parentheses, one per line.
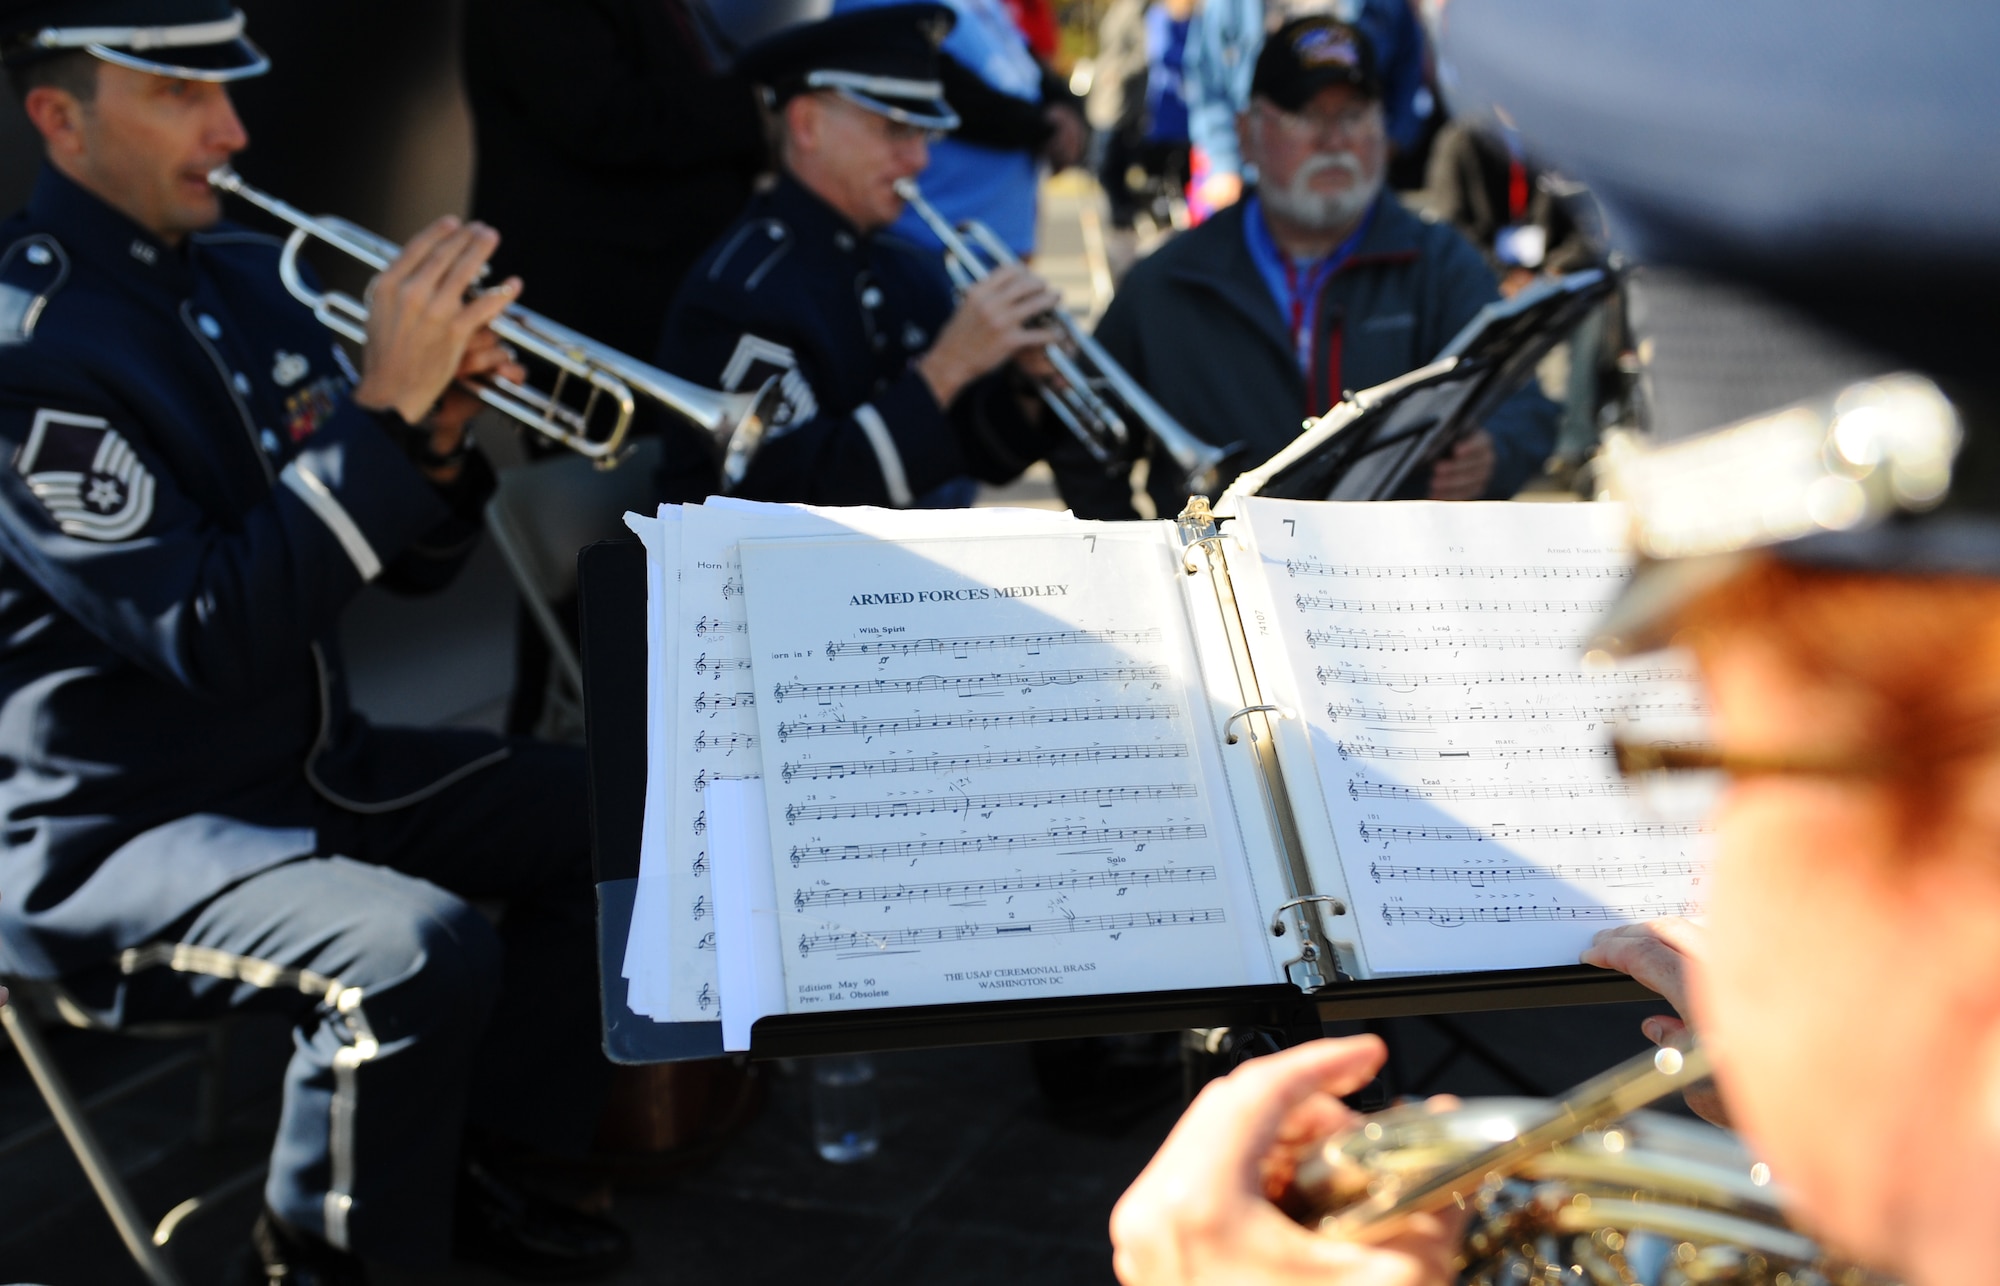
(1517, 190)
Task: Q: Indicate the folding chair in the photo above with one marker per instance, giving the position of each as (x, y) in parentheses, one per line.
(33, 1005)
(542, 514)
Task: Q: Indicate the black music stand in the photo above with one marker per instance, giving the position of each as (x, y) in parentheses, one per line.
(612, 580)
(1370, 445)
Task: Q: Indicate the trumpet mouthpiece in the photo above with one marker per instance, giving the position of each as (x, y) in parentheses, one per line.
(225, 178)
(906, 189)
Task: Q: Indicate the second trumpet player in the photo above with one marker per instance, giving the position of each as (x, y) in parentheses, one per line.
(892, 392)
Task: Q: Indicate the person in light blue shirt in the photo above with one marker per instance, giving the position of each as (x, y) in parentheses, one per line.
(1013, 117)
(1222, 48)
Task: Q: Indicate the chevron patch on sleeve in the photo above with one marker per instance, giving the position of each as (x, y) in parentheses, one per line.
(88, 477)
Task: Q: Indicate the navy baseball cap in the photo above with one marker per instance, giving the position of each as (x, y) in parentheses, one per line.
(186, 39)
(1307, 55)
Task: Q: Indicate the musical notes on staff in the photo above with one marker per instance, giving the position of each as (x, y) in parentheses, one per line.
(706, 701)
(1359, 789)
(1447, 917)
(1328, 675)
(1450, 606)
(959, 683)
(989, 759)
(1455, 715)
(971, 891)
(1371, 641)
(725, 742)
(1028, 643)
(1021, 736)
(1362, 750)
(732, 588)
(1453, 571)
(1085, 797)
(1500, 834)
(709, 626)
(1501, 873)
(1075, 838)
(1446, 716)
(966, 722)
(892, 939)
(706, 664)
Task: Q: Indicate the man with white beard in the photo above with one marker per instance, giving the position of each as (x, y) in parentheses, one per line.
(1314, 284)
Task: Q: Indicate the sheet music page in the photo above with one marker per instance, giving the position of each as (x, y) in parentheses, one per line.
(652, 909)
(1459, 739)
(983, 772)
(714, 717)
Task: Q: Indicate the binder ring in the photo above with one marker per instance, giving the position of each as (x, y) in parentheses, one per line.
(1187, 565)
(1230, 738)
(1277, 916)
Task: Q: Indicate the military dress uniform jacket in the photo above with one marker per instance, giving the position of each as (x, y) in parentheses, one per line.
(791, 290)
(189, 498)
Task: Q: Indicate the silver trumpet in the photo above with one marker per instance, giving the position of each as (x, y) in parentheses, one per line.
(1090, 388)
(604, 382)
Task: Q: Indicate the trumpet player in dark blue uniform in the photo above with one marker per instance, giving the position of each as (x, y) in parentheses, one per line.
(891, 390)
(192, 820)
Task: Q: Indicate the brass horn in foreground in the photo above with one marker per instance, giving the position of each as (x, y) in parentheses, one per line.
(604, 381)
(1586, 1189)
(1090, 389)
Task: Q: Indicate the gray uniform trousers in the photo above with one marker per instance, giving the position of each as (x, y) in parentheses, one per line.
(415, 1014)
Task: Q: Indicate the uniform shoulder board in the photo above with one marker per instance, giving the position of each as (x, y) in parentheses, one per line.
(750, 253)
(32, 270)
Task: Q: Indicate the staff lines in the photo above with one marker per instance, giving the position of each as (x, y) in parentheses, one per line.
(1500, 832)
(1330, 603)
(986, 719)
(1002, 886)
(1427, 754)
(885, 939)
(1446, 917)
(1381, 871)
(1368, 640)
(1358, 789)
(1433, 717)
(1087, 796)
(972, 682)
(1079, 837)
(990, 643)
(1449, 571)
(988, 759)
(1332, 674)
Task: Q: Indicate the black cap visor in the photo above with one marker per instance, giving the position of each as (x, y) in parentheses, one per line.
(212, 50)
(911, 102)
(236, 59)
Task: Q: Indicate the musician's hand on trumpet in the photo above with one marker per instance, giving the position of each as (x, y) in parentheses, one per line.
(993, 324)
(1663, 955)
(425, 330)
(1201, 1212)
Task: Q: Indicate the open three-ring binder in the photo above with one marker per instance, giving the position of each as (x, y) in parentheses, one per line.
(915, 780)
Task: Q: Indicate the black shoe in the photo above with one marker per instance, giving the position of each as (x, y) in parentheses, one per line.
(287, 1257)
(530, 1237)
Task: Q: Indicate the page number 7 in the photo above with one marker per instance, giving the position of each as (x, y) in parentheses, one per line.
(1291, 526)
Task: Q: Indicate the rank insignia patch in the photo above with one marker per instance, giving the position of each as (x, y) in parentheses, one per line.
(88, 477)
(756, 360)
